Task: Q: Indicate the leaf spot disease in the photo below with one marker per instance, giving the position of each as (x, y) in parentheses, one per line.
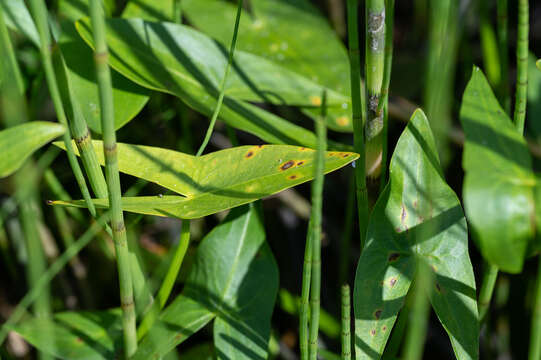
(292, 177)
(287, 165)
(373, 332)
(393, 257)
(438, 288)
(384, 328)
(392, 281)
(249, 154)
(300, 163)
(377, 313)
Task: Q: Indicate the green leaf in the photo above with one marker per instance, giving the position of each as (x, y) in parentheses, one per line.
(18, 18)
(235, 278)
(538, 64)
(499, 182)
(17, 143)
(151, 10)
(181, 61)
(75, 335)
(213, 182)
(203, 351)
(128, 97)
(417, 218)
(534, 97)
(74, 10)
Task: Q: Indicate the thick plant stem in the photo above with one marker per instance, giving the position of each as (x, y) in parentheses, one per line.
(384, 105)
(346, 323)
(357, 111)
(522, 64)
(222, 85)
(168, 282)
(490, 274)
(315, 222)
(504, 58)
(535, 337)
(103, 76)
(39, 13)
(374, 70)
(305, 294)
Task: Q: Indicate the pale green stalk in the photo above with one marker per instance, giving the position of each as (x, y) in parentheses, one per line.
(522, 64)
(168, 281)
(490, 274)
(345, 241)
(60, 193)
(489, 45)
(315, 222)
(504, 58)
(357, 117)
(346, 323)
(535, 337)
(50, 273)
(39, 14)
(305, 294)
(103, 75)
(222, 86)
(177, 11)
(374, 70)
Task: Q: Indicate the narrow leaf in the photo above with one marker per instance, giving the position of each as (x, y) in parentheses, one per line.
(17, 143)
(417, 218)
(18, 18)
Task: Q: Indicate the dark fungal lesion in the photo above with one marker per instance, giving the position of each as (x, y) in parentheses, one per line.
(287, 165)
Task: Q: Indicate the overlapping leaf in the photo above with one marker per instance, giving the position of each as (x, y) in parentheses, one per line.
(76, 335)
(18, 18)
(499, 182)
(181, 61)
(234, 279)
(417, 218)
(17, 143)
(151, 10)
(216, 181)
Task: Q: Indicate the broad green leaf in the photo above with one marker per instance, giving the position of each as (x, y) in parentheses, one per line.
(17, 143)
(181, 61)
(291, 33)
(417, 218)
(216, 181)
(151, 10)
(76, 335)
(74, 10)
(235, 278)
(534, 97)
(499, 182)
(128, 97)
(18, 18)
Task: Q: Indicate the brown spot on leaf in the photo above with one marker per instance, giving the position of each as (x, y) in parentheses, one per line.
(373, 332)
(292, 177)
(438, 288)
(345, 155)
(49, 202)
(384, 328)
(287, 165)
(249, 154)
(178, 337)
(377, 314)
(300, 163)
(403, 215)
(79, 340)
(393, 257)
(392, 282)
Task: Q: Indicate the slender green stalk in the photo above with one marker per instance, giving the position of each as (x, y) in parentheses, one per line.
(177, 11)
(504, 97)
(50, 273)
(357, 117)
(415, 338)
(384, 105)
(315, 222)
(345, 243)
(103, 75)
(39, 14)
(60, 193)
(168, 281)
(222, 85)
(346, 323)
(8, 57)
(305, 294)
(522, 65)
(535, 337)
(490, 274)
(374, 72)
(489, 45)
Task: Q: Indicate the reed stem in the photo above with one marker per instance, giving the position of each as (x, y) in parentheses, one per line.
(522, 65)
(504, 97)
(305, 294)
(222, 85)
(103, 76)
(490, 274)
(346, 323)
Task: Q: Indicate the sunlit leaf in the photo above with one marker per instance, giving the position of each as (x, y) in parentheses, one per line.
(17, 143)
(74, 10)
(417, 218)
(216, 181)
(151, 10)
(538, 64)
(76, 335)
(534, 97)
(18, 18)
(499, 182)
(235, 278)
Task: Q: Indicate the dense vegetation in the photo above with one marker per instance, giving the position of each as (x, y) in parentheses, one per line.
(275, 191)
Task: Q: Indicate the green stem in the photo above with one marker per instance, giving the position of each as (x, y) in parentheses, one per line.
(346, 323)
(39, 13)
(305, 294)
(177, 12)
(522, 65)
(535, 337)
(357, 117)
(384, 105)
(504, 58)
(168, 282)
(415, 339)
(345, 243)
(224, 79)
(315, 222)
(50, 273)
(103, 76)
(490, 274)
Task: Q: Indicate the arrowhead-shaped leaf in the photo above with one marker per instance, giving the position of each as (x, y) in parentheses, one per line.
(235, 279)
(76, 335)
(17, 143)
(216, 181)
(417, 218)
(499, 182)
